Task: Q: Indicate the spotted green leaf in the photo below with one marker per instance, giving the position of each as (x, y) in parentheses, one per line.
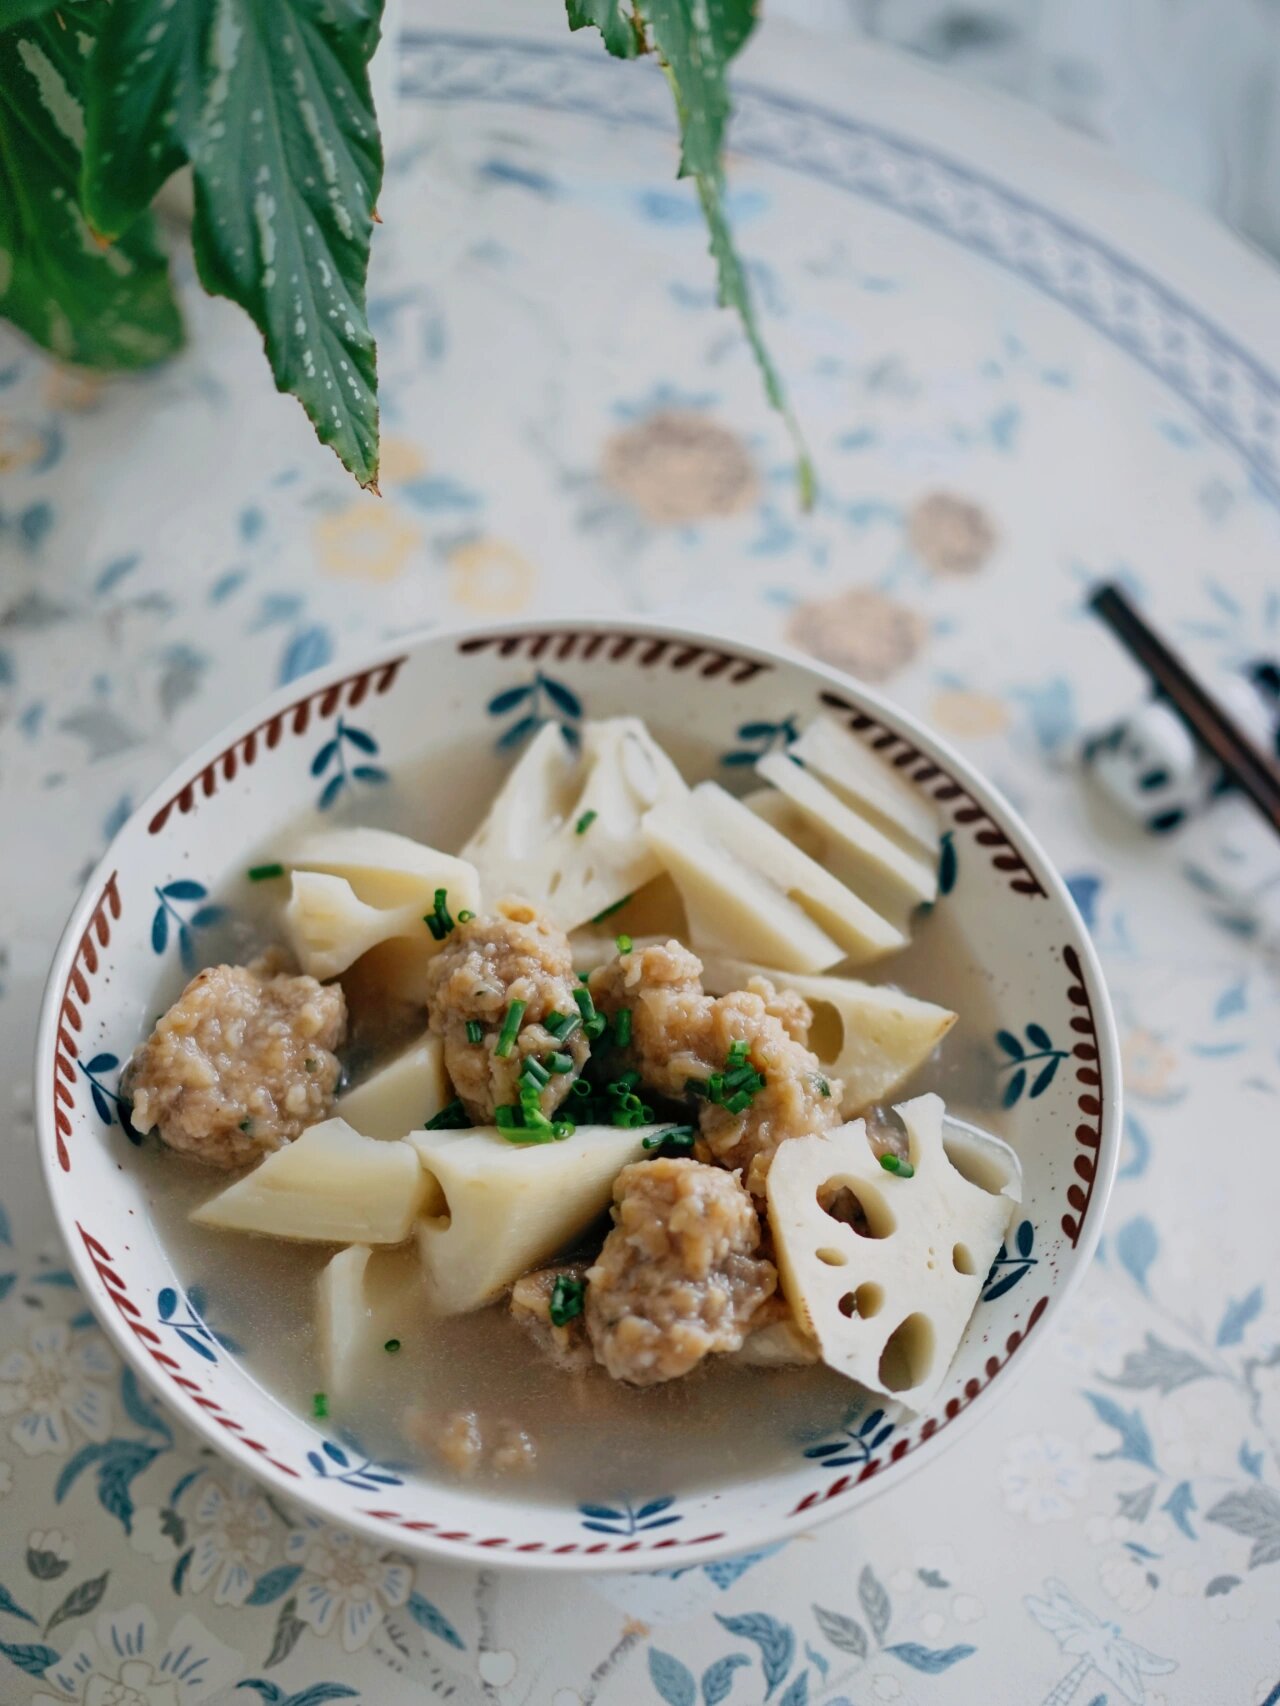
(269, 101)
(616, 23)
(108, 306)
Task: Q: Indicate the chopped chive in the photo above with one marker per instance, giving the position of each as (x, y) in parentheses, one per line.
(534, 1070)
(584, 822)
(625, 1081)
(823, 1088)
(475, 1031)
(558, 1063)
(506, 1117)
(676, 1142)
(696, 1087)
(555, 1023)
(584, 977)
(622, 1027)
(595, 1027)
(320, 1406)
(563, 1129)
(568, 1295)
(465, 916)
(738, 1051)
(392, 1345)
(609, 911)
(623, 943)
(740, 1103)
(715, 1087)
(510, 1026)
(264, 873)
(902, 1169)
(586, 1006)
(246, 1125)
(581, 1089)
(434, 925)
(452, 1117)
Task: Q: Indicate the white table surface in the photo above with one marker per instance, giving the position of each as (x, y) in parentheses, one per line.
(1001, 408)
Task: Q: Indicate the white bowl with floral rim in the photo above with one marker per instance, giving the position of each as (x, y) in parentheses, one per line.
(425, 730)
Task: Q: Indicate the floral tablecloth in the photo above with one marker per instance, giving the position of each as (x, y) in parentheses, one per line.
(1016, 374)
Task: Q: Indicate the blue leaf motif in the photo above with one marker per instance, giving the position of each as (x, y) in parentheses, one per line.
(360, 738)
(1014, 1088)
(798, 1693)
(1250, 1461)
(654, 1508)
(32, 1658)
(948, 864)
(603, 1513)
(734, 759)
(9, 1603)
(329, 793)
(103, 1063)
(320, 1693)
(875, 1601)
(1006, 1282)
(1180, 1503)
(717, 1679)
(369, 773)
(204, 916)
(507, 700)
(1239, 1313)
(123, 1462)
(1231, 1001)
(138, 1410)
(518, 731)
(180, 1570)
(186, 948)
(757, 731)
(195, 1344)
(871, 1423)
(310, 648)
(562, 697)
(184, 889)
(1045, 1077)
(1025, 1238)
(1135, 1441)
(673, 1680)
(1137, 1245)
(160, 930)
(659, 1522)
(166, 1302)
(324, 757)
(75, 1466)
(335, 1452)
(1038, 1037)
(1011, 1045)
(930, 1660)
(775, 1640)
(101, 1105)
(434, 1621)
(274, 1584)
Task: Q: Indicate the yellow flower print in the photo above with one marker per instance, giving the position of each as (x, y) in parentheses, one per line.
(1148, 1064)
(950, 534)
(72, 389)
(860, 631)
(677, 467)
(969, 716)
(20, 445)
(368, 539)
(400, 459)
(491, 577)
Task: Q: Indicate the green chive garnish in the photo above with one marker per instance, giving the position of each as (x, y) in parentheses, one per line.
(320, 1406)
(622, 1027)
(465, 916)
(452, 1117)
(535, 1071)
(823, 1088)
(246, 1125)
(610, 910)
(510, 1026)
(559, 1063)
(738, 1051)
(675, 1142)
(584, 822)
(568, 1296)
(593, 1023)
(902, 1169)
(623, 943)
(475, 1031)
(264, 873)
(740, 1103)
(562, 1025)
(392, 1345)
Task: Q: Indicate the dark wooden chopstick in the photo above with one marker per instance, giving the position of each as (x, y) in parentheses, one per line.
(1217, 732)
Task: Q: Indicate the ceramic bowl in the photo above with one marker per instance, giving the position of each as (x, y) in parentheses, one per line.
(426, 729)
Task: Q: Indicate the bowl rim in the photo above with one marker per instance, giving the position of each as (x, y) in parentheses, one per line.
(422, 1545)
